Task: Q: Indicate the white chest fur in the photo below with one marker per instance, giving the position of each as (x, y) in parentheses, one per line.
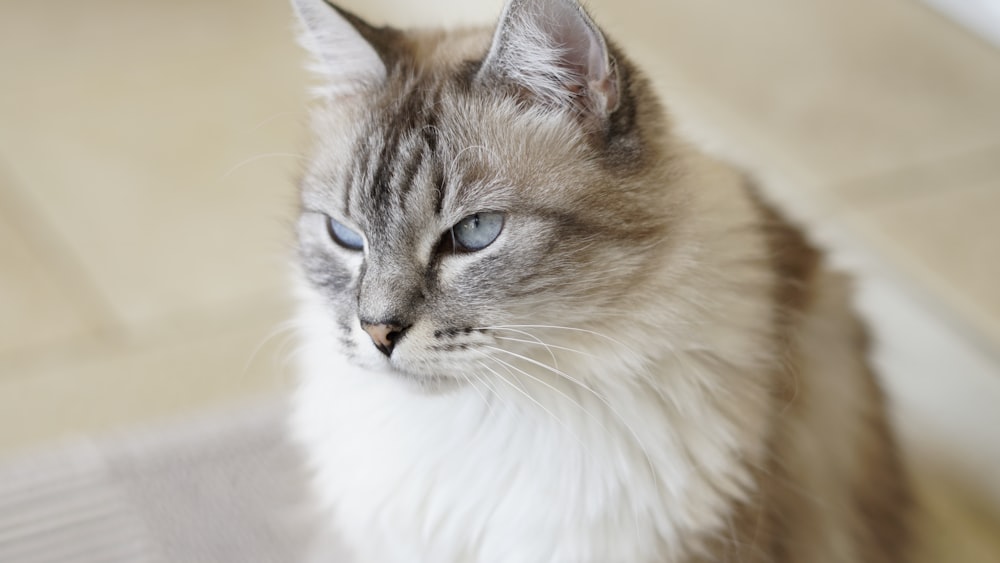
(618, 475)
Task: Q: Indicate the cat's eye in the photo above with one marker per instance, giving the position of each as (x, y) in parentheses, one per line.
(476, 232)
(343, 236)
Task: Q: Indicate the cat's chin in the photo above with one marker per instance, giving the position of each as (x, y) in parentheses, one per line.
(429, 384)
(423, 380)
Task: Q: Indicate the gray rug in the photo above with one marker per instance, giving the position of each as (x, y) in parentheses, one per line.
(223, 488)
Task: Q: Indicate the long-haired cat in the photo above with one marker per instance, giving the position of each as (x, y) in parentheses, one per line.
(539, 327)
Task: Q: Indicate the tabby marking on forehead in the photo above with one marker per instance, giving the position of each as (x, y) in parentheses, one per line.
(393, 149)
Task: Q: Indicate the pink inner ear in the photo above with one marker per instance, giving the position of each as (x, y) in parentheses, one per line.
(586, 55)
(607, 90)
(535, 30)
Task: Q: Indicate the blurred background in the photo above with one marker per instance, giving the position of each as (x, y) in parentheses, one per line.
(148, 152)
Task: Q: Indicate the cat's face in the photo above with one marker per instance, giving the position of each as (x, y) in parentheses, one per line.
(450, 214)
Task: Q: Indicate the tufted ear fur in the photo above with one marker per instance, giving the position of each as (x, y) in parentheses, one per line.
(342, 56)
(554, 50)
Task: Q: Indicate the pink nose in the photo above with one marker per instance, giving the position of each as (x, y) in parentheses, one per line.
(384, 335)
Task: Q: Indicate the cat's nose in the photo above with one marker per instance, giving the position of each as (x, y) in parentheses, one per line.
(384, 335)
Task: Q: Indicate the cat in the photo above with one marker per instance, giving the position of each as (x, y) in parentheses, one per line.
(540, 326)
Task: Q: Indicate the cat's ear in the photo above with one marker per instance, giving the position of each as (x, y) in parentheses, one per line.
(554, 50)
(344, 55)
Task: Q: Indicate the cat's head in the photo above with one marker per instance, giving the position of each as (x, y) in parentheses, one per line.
(469, 189)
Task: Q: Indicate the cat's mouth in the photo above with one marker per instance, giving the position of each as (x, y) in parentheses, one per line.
(410, 364)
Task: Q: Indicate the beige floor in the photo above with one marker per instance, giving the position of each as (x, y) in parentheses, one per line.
(148, 151)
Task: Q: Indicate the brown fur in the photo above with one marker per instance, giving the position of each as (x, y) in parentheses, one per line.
(763, 528)
(760, 525)
(883, 492)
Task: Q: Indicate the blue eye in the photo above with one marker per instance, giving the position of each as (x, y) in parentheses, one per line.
(343, 236)
(477, 231)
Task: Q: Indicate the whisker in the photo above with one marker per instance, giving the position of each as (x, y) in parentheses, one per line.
(558, 420)
(635, 435)
(552, 346)
(536, 339)
(479, 391)
(285, 328)
(272, 118)
(635, 509)
(572, 329)
(496, 392)
(556, 390)
(256, 158)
